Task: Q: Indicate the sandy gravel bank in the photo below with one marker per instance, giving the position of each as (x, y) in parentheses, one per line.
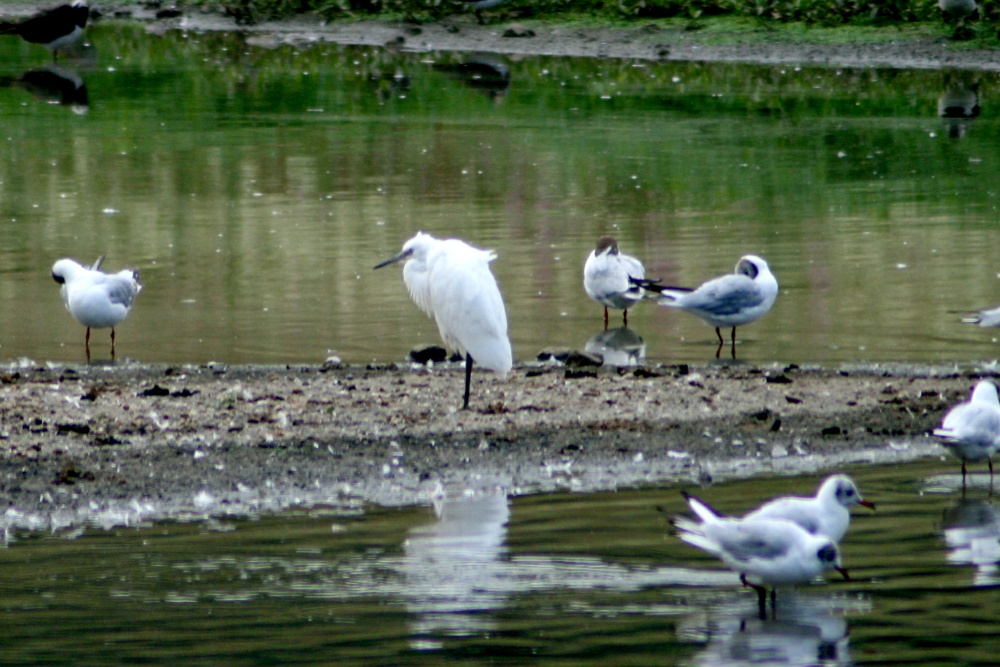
(117, 445)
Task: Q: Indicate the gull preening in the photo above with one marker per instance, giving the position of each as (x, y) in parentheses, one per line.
(732, 300)
(763, 551)
(95, 299)
(608, 277)
(827, 513)
(451, 281)
(971, 430)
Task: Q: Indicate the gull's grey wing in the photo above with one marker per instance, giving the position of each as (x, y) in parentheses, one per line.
(122, 288)
(747, 541)
(727, 295)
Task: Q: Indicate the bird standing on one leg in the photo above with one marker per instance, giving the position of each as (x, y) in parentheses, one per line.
(95, 299)
(54, 28)
(972, 429)
(451, 281)
(732, 300)
(608, 276)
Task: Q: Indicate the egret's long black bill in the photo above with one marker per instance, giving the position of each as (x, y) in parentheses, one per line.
(392, 260)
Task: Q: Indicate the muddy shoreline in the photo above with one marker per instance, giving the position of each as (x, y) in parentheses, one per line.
(120, 445)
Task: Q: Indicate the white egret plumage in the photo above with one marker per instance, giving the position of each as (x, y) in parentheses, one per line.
(95, 299)
(971, 430)
(608, 276)
(827, 513)
(732, 300)
(451, 281)
(765, 552)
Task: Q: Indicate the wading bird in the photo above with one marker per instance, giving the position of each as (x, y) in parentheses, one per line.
(451, 281)
(608, 276)
(765, 552)
(53, 28)
(732, 300)
(827, 513)
(95, 299)
(971, 430)
(955, 12)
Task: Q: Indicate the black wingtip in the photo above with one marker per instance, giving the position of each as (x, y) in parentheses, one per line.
(690, 496)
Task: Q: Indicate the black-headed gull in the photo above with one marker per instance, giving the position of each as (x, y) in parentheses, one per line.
(732, 300)
(95, 299)
(971, 430)
(765, 552)
(827, 513)
(608, 276)
(984, 318)
(451, 281)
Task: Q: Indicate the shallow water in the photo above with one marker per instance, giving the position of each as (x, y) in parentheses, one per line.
(566, 579)
(255, 188)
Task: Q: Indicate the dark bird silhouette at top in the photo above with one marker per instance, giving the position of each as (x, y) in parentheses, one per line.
(53, 28)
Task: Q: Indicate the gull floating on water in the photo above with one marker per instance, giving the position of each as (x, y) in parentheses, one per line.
(971, 430)
(732, 300)
(95, 299)
(827, 513)
(608, 278)
(451, 281)
(765, 552)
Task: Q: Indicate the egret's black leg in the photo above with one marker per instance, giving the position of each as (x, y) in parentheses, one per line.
(605, 318)
(112, 342)
(86, 343)
(468, 379)
(625, 318)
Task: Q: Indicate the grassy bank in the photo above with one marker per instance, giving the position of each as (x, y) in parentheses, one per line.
(775, 13)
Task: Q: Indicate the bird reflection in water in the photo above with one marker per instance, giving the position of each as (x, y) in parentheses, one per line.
(972, 533)
(484, 72)
(453, 567)
(619, 347)
(959, 103)
(53, 84)
(810, 631)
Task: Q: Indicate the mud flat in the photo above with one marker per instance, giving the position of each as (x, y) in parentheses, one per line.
(117, 445)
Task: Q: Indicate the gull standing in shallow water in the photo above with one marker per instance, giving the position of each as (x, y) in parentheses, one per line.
(765, 552)
(827, 513)
(732, 300)
(451, 281)
(95, 299)
(972, 429)
(608, 276)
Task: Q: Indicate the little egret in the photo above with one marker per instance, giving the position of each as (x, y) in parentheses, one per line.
(607, 277)
(96, 299)
(728, 301)
(451, 281)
